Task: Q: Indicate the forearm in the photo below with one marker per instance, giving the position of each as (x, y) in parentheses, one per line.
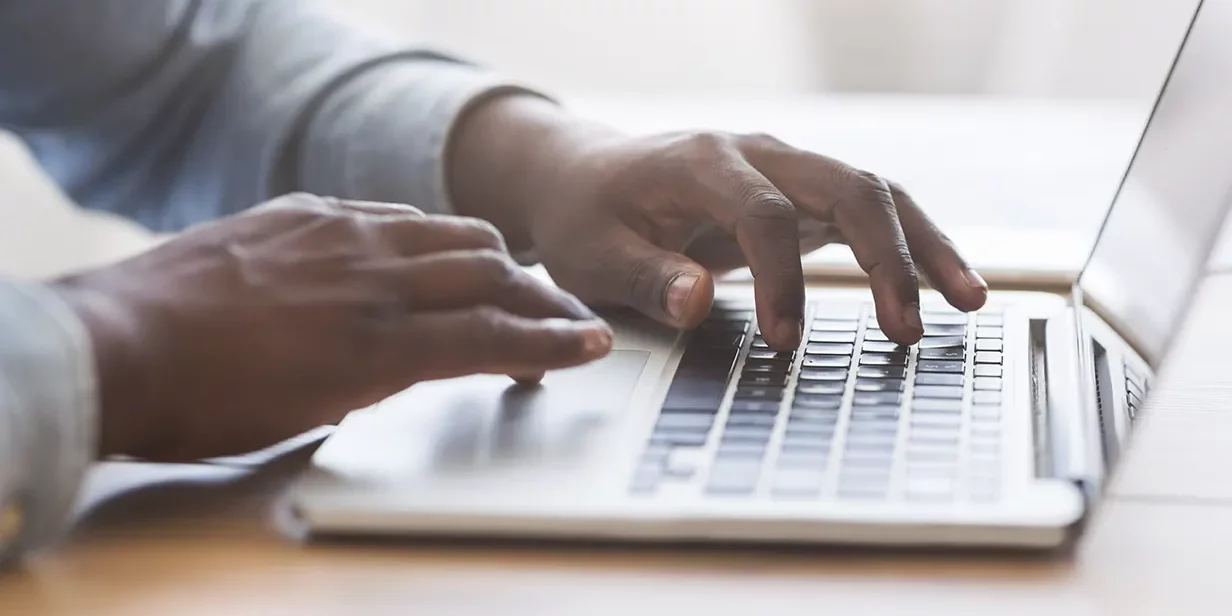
(187, 111)
(48, 416)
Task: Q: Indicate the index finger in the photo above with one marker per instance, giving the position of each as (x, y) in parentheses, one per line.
(864, 210)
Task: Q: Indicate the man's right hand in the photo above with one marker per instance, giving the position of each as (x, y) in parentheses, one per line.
(247, 331)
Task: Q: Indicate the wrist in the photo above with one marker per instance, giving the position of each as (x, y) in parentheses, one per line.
(511, 154)
(123, 406)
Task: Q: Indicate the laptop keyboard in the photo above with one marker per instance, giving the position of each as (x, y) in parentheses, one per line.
(848, 416)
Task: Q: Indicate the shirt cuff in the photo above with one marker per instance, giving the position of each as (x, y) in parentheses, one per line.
(48, 416)
(385, 134)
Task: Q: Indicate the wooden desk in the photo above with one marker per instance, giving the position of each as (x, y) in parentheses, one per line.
(193, 540)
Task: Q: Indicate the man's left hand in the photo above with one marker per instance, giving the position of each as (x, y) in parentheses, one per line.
(647, 222)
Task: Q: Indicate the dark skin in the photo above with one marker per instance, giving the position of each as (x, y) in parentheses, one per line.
(241, 333)
(618, 220)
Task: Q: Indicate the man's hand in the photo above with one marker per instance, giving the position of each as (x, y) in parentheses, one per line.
(253, 329)
(645, 222)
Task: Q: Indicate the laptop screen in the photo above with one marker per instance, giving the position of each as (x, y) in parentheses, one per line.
(1170, 208)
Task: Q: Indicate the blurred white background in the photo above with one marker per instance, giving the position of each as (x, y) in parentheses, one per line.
(1070, 50)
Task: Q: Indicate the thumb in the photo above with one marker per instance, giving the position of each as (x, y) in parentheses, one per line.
(664, 285)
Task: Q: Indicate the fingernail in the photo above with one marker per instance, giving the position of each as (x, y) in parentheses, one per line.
(596, 341)
(678, 292)
(911, 317)
(975, 280)
(790, 333)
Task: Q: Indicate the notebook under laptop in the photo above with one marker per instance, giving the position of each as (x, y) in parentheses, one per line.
(999, 428)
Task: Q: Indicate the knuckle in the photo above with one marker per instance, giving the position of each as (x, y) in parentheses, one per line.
(496, 267)
(766, 202)
(709, 140)
(485, 234)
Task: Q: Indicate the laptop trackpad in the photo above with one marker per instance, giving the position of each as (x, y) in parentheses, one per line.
(486, 424)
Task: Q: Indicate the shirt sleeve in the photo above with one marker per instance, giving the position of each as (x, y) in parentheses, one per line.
(48, 416)
(179, 111)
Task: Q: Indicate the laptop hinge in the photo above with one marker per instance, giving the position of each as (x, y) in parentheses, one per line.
(1067, 436)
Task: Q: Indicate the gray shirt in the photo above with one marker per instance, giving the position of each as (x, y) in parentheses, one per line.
(171, 112)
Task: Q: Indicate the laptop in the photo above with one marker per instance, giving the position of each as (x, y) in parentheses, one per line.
(1000, 428)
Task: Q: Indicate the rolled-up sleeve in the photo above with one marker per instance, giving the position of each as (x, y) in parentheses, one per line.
(48, 416)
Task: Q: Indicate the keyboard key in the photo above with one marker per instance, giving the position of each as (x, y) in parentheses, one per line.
(755, 406)
(934, 378)
(726, 314)
(685, 421)
(989, 345)
(953, 353)
(847, 337)
(816, 460)
(678, 438)
(986, 431)
(945, 330)
(834, 374)
(718, 340)
(803, 442)
(825, 388)
(942, 342)
(835, 325)
(926, 420)
(881, 372)
(883, 347)
(695, 394)
(938, 391)
(869, 427)
(829, 349)
(989, 320)
(747, 434)
(759, 343)
(827, 361)
(943, 318)
(875, 335)
(740, 450)
(924, 436)
(771, 355)
(987, 383)
(988, 370)
(936, 405)
(750, 419)
(759, 393)
(987, 357)
(867, 398)
(932, 454)
(721, 327)
(889, 411)
(871, 442)
(733, 477)
(797, 483)
(985, 413)
(770, 366)
(764, 379)
(937, 365)
(883, 359)
(989, 332)
(814, 428)
(817, 402)
(880, 384)
(802, 415)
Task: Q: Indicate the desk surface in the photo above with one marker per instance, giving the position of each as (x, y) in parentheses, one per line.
(194, 540)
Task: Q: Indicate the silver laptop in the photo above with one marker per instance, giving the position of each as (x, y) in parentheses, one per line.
(999, 428)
